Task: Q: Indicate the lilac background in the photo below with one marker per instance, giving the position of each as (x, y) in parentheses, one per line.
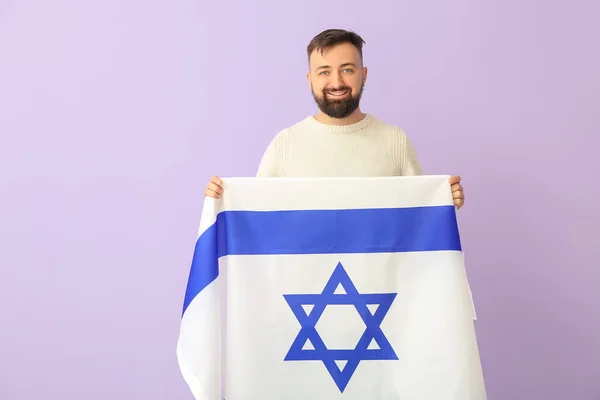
(115, 113)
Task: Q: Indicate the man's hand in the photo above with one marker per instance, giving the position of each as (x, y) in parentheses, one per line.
(457, 191)
(214, 188)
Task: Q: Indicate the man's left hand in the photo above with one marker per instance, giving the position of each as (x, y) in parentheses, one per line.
(457, 191)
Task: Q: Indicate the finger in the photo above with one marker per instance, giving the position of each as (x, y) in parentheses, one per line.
(457, 187)
(454, 179)
(210, 193)
(458, 198)
(215, 188)
(215, 179)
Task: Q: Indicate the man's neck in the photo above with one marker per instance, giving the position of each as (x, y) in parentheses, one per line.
(353, 118)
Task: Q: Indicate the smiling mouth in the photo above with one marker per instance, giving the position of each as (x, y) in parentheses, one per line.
(337, 93)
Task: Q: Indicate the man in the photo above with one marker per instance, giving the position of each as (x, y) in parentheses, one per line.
(340, 140)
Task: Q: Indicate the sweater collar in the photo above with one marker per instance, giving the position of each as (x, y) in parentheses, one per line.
(363, 123)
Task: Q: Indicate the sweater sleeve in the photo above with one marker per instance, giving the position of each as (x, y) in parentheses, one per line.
(405, 156)
(268, 166)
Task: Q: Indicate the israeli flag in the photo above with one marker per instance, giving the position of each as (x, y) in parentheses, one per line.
(330, 288)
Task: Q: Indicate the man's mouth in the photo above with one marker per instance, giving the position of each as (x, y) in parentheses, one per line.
(337, 93)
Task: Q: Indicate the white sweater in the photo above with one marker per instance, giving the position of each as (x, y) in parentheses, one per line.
(367, 148)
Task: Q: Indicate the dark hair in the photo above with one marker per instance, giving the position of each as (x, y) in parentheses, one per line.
(333, 37)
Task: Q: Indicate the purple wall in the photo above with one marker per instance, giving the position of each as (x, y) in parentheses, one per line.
(115, 113)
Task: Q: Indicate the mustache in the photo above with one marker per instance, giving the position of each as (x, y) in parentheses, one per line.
(341, 88)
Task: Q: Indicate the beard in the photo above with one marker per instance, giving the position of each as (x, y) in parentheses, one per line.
(338, 108)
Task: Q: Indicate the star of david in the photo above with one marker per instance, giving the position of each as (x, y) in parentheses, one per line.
(372, 321)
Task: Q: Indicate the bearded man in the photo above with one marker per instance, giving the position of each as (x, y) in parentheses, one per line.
(339, 140)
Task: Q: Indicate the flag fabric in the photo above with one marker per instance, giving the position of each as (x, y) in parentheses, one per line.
(330, 288)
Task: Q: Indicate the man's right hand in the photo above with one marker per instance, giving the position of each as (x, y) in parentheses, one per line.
(214, 188)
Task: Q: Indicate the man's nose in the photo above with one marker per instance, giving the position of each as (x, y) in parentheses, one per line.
(336, 80)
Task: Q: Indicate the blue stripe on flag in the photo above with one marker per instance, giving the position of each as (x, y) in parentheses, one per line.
(320, 232)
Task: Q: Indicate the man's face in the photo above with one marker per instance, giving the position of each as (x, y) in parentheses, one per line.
(336, 79)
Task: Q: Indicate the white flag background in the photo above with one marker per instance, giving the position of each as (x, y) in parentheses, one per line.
(330, 288)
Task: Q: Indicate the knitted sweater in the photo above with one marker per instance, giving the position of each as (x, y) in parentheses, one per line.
(367, 148)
